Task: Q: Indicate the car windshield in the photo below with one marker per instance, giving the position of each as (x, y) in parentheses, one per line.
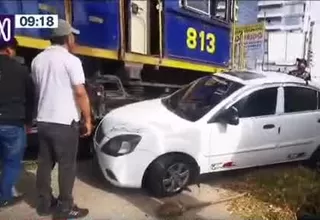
(199, 97)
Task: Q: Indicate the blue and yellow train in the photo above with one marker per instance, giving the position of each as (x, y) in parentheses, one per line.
(151, 43)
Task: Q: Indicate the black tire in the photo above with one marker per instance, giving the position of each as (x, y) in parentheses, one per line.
(96, 170)
(158, 171)
(314, 161)
(85, 148)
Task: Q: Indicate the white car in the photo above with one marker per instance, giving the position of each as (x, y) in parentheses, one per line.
(222, 122)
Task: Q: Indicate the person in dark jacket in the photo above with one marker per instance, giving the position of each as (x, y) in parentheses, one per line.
(301, 70)
(16, 108)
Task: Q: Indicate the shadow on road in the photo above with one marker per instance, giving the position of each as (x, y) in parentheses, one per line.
(89, 175)
(139, 198)
(27, 185)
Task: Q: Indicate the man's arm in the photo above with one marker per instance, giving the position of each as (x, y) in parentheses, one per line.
(306, 76)
(77, 79)
(83, 101)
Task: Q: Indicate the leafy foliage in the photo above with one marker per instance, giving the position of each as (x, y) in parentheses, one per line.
(281, 193)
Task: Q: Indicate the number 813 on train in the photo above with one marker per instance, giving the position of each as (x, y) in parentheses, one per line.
(199, 30)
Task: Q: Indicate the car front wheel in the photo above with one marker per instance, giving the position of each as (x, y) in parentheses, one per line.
(169, 175)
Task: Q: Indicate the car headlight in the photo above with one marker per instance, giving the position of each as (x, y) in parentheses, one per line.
(120, 145)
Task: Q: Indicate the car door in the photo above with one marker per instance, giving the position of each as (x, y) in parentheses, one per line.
(253, 141)
(300, 123)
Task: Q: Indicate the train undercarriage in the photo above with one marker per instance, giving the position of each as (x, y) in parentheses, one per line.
(112, 84)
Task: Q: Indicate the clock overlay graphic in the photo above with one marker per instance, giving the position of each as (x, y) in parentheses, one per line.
(8, 23)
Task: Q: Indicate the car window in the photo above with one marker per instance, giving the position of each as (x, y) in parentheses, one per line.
(199, 97)
(259, 103)
(298, 99)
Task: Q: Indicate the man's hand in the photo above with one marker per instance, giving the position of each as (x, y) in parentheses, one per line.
(87, 129)
(84, 104)
(27, 128)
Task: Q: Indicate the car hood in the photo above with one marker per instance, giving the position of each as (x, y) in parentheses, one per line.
(146, 114)
(152, 120)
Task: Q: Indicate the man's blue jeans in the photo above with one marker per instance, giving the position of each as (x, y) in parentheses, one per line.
(12, 146)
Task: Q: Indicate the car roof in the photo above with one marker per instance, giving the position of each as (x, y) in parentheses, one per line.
(259, 78)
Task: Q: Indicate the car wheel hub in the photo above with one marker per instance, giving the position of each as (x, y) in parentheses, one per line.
(176, 178)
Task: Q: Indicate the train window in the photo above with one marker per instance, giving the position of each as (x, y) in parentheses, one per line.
(220, 9)
(212, 8)
(202, 6)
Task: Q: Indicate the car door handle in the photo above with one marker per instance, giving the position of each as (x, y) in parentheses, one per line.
(268, 126)
(319, 120)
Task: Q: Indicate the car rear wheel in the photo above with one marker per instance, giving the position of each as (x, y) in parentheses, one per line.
(169, 175)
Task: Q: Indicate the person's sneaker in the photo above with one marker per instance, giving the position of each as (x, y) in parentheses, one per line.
(15, 200)
(73, 213)
(43, 210)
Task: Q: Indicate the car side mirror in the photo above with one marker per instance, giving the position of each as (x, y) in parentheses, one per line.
(231, 116)
(228, 116)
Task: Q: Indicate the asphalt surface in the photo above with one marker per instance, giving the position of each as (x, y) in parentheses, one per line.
(107, 202)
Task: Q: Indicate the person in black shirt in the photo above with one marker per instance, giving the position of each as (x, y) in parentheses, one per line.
(16, 110)
(301, 70)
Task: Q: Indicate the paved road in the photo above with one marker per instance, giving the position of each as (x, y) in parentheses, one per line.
(107, 202)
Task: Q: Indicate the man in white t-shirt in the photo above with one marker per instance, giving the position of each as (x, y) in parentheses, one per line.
(59, 80)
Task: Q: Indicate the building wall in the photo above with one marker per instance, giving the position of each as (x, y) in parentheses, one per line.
(287, 26)
(282, 15)
(248, 12)
(315, 10)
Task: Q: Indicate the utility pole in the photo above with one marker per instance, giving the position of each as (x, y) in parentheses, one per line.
(265, 44)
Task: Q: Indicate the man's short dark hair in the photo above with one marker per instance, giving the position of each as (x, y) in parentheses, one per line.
(61, 40)
(13, 44)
